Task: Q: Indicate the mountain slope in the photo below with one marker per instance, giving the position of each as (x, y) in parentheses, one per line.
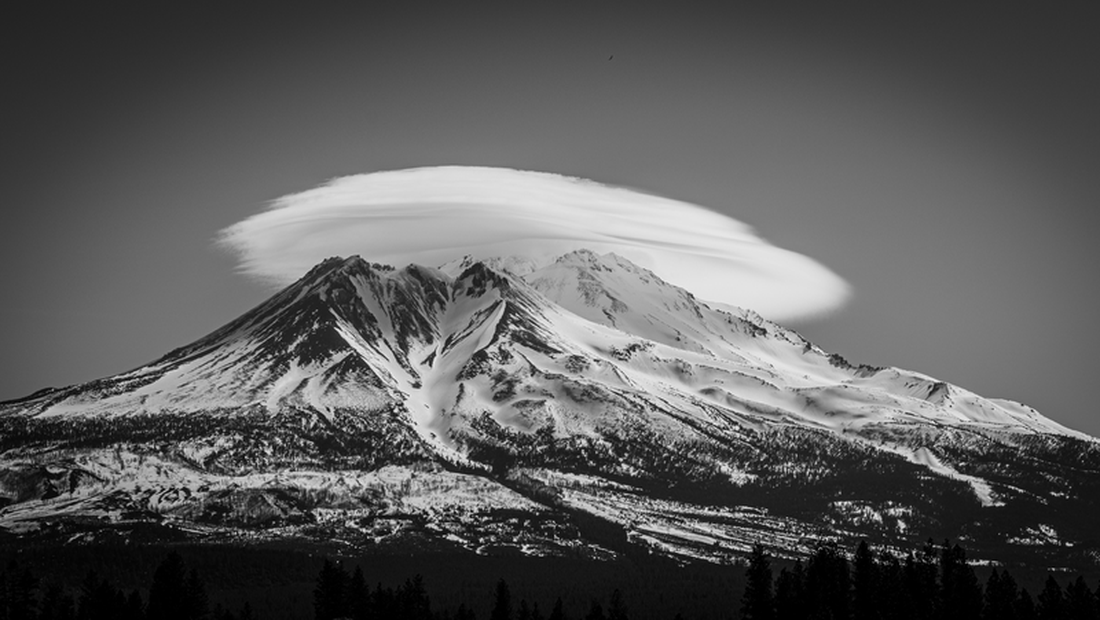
(510, 403)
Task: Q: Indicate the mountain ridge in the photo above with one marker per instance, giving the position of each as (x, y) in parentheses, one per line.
(582, 386)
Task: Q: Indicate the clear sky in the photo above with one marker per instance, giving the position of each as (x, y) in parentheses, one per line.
(944, 159)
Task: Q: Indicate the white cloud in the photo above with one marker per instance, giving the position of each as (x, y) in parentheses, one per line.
(433, 215)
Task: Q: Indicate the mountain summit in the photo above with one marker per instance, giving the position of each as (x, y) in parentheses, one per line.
(579, 405)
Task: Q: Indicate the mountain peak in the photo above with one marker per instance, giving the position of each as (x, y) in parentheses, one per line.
(581, 255)
(324, 267)
(516, 265)
(583, 385)
(334, 266)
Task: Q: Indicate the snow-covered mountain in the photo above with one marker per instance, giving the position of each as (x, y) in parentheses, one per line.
(581, 405)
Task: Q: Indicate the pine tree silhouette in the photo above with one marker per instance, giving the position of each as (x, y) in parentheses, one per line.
(1052, 601)
(595, 611)
(195, 602)
(56, 604)
(330, 594)
(790, 601)
(616, 609)
(1080, 602)
(960, 594)
(1000, 597)
(167, 594)
(99, 600)
(19, 587)
(464, 613)
(359, 603)
(758, 603)
(413, 600)
(133, 608)
(1025, 607)
(557, 613)
(866, 588)
(919, 578)
(828, 584)
(502, 606)
(891, 594)
(384, 604)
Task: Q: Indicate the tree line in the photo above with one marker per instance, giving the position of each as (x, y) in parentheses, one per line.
(175, 593)
(933, 583)
(342, 595)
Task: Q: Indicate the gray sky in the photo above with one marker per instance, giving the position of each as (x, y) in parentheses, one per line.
(945, 160)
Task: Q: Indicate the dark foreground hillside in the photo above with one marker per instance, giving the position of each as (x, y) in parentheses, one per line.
(279, 583)
(190, 582)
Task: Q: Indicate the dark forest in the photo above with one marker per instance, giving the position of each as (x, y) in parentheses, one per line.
(933, 582)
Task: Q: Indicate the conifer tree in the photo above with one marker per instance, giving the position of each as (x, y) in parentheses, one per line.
(1080, 603)
(167, 594)
(413, 600)
(524, 610)
(828, 585)
(19, 593)
(3, 594)
(99, 600)
(1000, 597)
(595, 611)
(330, 593)
(758, 602)
(118, 603)
(557, 612)
(196, 604)
(616, 610)
(358, 595)
(789, 596)
(56, 604)
(383, 604)
(464, 613)
(960, 595)
(891, 595)
(86, 608)
(502, 604)
(1052, 601)
(919, 578)
(221, 613)
(1025, 607)
(865, 584)
(133, 608)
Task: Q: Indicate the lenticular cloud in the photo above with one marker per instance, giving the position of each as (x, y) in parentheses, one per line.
(431, 216)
